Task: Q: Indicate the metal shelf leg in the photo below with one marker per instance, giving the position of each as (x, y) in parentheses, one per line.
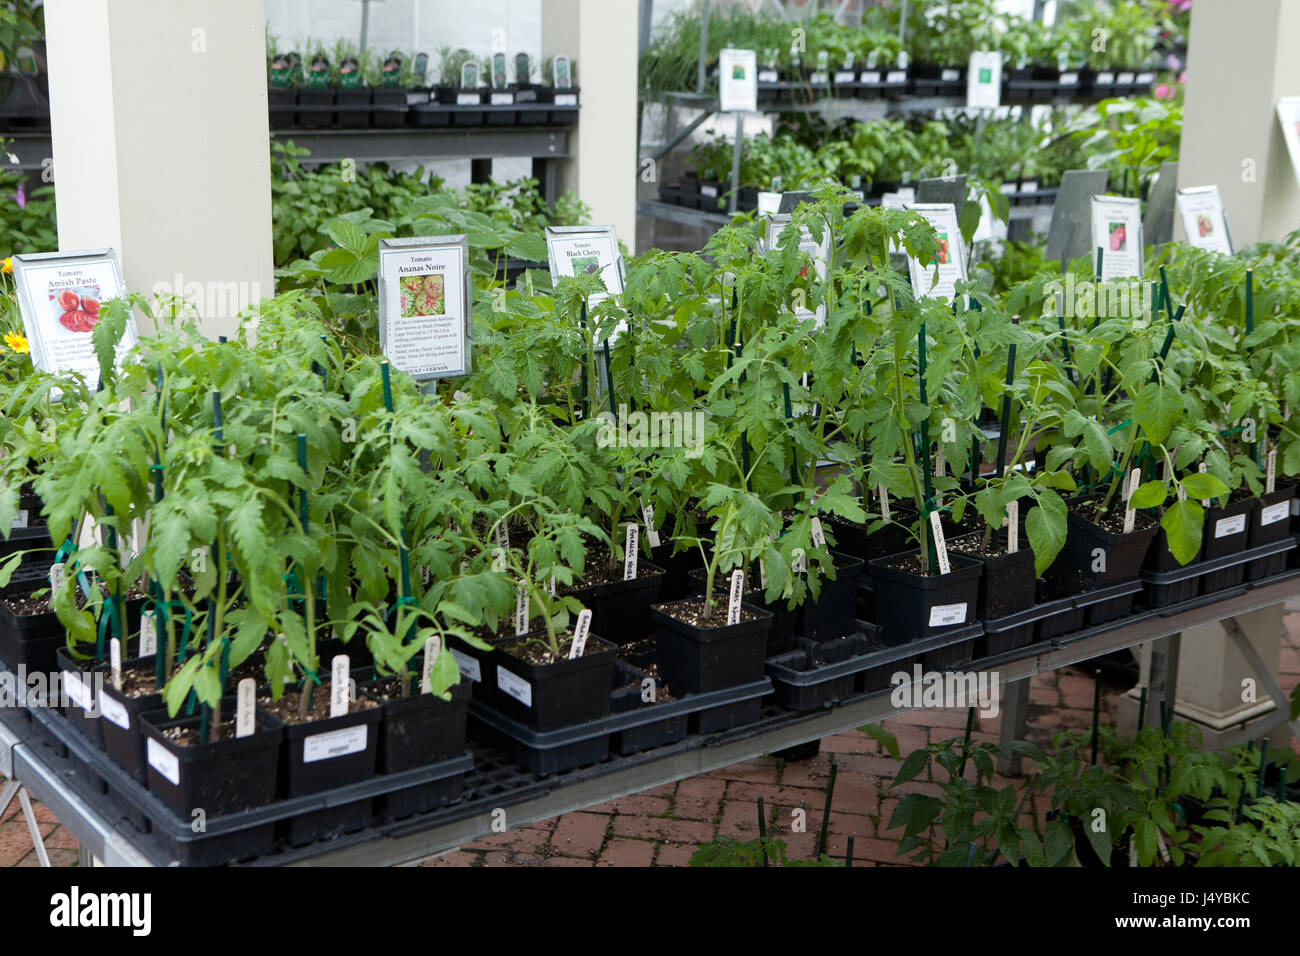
(14, 788)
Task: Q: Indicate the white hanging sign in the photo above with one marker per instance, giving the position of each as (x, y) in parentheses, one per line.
(950, 265)
(984, 80)
(819, 252)
(579, 250)
(1204, 220)
(424, 305)
(1117, 231)
(60, 295)
(738, 81)
(1288, 114)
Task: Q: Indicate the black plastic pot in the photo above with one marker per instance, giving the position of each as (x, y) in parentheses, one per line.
(418, 731)
(120, 720)
(1161, 589)
(29, 639)
(626, 698)
(919, 606)
(230, 775)
(929, 79)
(697, 660)
(282, 100)
(814, 676)
(81, 708)
(1009, 581)
(1227, 532)
(389, 105)
(857, 540)
(1270, 522)
(833, 612)
(546, 697)
(785, 619)
(1122, 555)
(316, 108)
(676, 567)
(620, 610)
(323, 754)
(353, 108)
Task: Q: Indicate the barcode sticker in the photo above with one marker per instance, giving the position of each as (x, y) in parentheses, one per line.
(165, 762)
(469, 99)
(1274, 513)
(870, 76)
(1226, 526)
(335, 743)
(946, 615)
(114, 712)
(896, 76)
(468, 666)
(845, 76)
(20, 520)
(767, 76)
(515, 686)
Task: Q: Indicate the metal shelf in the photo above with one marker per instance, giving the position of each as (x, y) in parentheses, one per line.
(701, 219)
(545, 798)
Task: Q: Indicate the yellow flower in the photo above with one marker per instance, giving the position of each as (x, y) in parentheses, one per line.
(16, 342)
(8, 266)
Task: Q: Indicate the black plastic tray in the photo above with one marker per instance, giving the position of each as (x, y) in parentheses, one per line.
(224, 835)
(555, 751)
(1199, 568)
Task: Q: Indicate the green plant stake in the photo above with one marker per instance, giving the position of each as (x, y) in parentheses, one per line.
(1263, 762)
(1250, 301)
(762, 829)
(965, 740)
(1142, 708)
(848, 852)
(1096, 714)
(1006, 402)
(826, 813)
(1281, 783)
(582, 385)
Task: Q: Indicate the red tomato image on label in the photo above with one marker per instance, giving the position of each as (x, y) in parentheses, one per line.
(78, 321)
(89, 306)
(69, 300)
(1117, 239)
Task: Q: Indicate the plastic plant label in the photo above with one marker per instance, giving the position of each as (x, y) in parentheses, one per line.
(1274, 513)
(762, 574)
(818, 535)
(58, 576)
(1226, 526)
(737, 592)
(946, 615)
(148, 634)
(940, 545)
(521, 611)
(75, 689)
(432, 648)
(884, 502)
(580, 632)
(498, 559)
(1202, 468)
(340, 672)
(114, 712)
(1270, 472)
(468, 666)
(1013, 527)
(514, 685)
(630, 548)
(550, 586)
(165, 762)
(651, 535)
(115, 662)
(1130, 514)
(501, 535)
(335, 743)
(245, 704)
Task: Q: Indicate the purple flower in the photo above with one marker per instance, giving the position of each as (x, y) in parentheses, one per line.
(20, 197)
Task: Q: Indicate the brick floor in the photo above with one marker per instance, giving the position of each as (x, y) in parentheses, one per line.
(664, 826)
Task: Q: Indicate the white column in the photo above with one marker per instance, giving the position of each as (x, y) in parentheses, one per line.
(160, 134)
(601, 38)
(1241, 59)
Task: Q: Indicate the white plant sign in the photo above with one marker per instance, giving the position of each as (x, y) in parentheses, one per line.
(424, 305)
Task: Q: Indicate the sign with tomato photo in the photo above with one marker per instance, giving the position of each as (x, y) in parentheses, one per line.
(1117, 233)
(424, 326)
(938, 276)
(61, 297)
(1204, 222)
